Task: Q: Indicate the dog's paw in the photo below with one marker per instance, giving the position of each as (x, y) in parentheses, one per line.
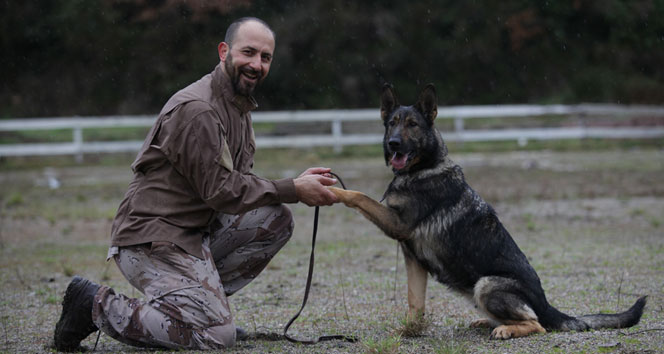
(345, 196)
(340, 193)
(517, 330)
(502, 332)
(482, 323)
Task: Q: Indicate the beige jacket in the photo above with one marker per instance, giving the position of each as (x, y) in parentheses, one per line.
(196, 161)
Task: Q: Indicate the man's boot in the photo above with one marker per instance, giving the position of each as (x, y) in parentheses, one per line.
(75, 322)
(241, 334)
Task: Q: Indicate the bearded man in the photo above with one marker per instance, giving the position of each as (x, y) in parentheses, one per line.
(195, 225)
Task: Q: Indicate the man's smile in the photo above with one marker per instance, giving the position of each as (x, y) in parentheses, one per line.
(250, 75)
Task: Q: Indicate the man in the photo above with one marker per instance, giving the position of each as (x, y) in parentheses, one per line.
(195, 225)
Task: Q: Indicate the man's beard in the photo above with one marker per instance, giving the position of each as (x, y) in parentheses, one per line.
(241, 87)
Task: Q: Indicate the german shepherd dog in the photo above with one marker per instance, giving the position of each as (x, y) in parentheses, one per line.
(447, 230)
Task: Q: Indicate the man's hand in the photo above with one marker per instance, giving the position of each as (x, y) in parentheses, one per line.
(310, 187)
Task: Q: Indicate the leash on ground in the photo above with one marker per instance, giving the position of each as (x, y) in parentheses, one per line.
(307, 287)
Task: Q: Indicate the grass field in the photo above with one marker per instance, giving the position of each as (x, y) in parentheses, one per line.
(590, 222)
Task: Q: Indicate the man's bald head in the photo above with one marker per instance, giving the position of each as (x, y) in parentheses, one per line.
(246, 53)
(231, 32)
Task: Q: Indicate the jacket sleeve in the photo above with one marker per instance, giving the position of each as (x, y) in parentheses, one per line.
(198, 152)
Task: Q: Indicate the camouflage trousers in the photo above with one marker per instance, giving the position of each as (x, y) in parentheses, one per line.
(186, 303)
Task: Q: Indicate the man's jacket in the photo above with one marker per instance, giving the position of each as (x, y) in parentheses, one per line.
(195, 162)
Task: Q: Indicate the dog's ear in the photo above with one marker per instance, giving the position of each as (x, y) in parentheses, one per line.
(388, 102)
(427, 103)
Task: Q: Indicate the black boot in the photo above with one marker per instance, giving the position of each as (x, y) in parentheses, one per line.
(241, 334)
(75, 322)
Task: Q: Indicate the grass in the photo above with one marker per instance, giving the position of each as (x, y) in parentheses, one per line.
(588, 222)
(389, 345)
(14, 199)
(451, 347)
(34, 136)
(412, 327)
(65, 135)
(529, 222)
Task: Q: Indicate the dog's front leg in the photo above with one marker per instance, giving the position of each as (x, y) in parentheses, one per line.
(385, 218)
(417, 288)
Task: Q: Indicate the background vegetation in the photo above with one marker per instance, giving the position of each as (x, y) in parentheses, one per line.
(128, 56)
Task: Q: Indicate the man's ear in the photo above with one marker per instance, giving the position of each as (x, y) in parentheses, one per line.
(388, 102)
(223, 49)
(427, 104)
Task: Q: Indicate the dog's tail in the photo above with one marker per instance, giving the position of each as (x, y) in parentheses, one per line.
(562, 322)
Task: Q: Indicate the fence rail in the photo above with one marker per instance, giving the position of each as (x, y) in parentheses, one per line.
(338, 138)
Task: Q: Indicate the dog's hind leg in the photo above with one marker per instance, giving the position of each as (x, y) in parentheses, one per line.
(417, 287)
(501, 298)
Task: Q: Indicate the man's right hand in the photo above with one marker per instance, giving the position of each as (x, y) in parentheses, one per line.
(310, 187)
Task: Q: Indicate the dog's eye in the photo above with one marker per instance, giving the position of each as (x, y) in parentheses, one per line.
(412, 123)
(392, 123)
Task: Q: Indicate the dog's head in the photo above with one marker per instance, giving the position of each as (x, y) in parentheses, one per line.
(411, 141)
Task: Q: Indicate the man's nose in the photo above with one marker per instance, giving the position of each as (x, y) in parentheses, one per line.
(255, 62)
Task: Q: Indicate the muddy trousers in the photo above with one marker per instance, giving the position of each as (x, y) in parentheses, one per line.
(186, 304)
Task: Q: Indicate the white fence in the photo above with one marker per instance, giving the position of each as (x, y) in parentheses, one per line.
(338, 138)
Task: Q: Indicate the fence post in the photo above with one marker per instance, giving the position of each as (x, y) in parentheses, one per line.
(458, 127)
(336, 133)
(78, 143)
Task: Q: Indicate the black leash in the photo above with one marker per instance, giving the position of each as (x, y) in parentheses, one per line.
(308, 286)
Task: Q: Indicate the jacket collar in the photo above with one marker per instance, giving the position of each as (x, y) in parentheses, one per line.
(221, 86)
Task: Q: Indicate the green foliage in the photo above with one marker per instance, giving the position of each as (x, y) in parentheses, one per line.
(529, 221)
(14, 199)
(113, 56)
(53, 299)
(110, 134)
(451, 347)
(67, 270)
(412, 327)
(389, 345)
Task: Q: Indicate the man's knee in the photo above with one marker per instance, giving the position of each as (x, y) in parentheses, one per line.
(277, 228)
(283, 225)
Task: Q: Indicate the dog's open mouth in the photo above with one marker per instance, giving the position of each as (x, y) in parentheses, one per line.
(399, 160)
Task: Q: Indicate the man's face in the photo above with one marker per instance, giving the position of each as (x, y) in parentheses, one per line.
(248, 61)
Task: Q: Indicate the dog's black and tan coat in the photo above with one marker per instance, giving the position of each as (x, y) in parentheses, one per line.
(447, 230)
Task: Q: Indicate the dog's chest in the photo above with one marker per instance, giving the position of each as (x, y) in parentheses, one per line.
(426, 241)
(439, 239)
(430, 244)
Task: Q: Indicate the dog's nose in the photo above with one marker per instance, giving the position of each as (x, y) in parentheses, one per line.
(394, 143)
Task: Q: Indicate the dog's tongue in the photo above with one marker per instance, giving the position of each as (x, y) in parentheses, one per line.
(399, 160)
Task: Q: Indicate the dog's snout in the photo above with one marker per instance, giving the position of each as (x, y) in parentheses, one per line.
(394, 143)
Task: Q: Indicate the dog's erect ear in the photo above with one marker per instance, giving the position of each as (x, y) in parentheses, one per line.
(388, 102)
(427, 104)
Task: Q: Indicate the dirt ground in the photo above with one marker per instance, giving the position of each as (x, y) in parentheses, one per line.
(591, 223)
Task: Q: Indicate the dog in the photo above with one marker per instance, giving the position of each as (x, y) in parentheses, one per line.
(447, 230)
